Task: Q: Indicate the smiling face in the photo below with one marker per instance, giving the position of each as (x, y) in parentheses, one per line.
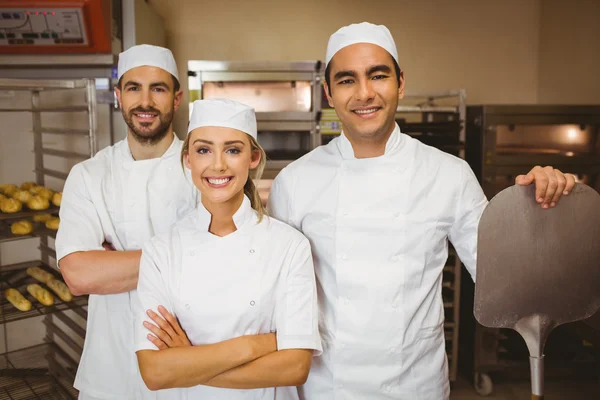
(220, 160)
(148, 101)
(365, 91)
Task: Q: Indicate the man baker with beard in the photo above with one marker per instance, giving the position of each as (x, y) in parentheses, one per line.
(123, 196)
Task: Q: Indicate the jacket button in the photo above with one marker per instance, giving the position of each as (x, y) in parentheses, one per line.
(251, 251)
(252, 303)
(187, 306)
(192, 254)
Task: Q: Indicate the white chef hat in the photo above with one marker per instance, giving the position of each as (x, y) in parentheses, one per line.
(361, 33)
(225, 113)
(147, 55)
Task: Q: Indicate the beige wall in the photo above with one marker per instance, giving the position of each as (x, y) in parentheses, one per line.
(570, 52)
(490, 48)
(149, 26)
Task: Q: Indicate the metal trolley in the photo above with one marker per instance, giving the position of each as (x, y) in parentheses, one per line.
(46, 370)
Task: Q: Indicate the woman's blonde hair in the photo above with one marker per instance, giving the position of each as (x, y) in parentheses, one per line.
(250, 188)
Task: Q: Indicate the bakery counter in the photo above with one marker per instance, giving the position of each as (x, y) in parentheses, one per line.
(15, 276)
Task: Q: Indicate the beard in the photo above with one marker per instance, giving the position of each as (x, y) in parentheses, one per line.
(143, 133)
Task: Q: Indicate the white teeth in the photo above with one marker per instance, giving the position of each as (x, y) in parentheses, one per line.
(146, 115)
(371, 110)
(218, 181)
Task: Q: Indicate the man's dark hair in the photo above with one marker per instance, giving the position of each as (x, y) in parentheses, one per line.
(328, 72)
(176, 85)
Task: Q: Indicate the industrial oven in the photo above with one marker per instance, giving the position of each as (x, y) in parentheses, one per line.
(501, 143)
(285, 95)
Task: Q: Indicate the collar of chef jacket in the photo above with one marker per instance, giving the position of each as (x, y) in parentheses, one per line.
(173, 150)
(244, 215)
(396, 152)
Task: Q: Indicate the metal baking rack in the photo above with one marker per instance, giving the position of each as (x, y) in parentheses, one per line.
(46, 370)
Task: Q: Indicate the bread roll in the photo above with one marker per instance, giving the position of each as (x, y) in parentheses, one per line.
(40, 294)
(42, 217)
(17, 299)
(22, 195)
(2, 197)
(8, 187)
(60, 289)
(53, 224)
(8, 192)
(38, 203)
(23, 227)
(39, 274)
(42, 191)
(10, 206)
(27, 185)
(57, 198)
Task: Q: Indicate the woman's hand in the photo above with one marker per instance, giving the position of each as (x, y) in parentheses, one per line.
(167, 332)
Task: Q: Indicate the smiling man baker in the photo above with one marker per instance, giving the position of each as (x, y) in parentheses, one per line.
(124, 195)
(378, 207)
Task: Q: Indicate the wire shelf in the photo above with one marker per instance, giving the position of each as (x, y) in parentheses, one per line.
(15, 276)
(25, 374)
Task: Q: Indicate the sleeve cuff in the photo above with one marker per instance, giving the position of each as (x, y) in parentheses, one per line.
(309, 343)
(144, 345)
(63, 252)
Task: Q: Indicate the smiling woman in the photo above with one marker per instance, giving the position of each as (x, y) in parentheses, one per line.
(217, 276)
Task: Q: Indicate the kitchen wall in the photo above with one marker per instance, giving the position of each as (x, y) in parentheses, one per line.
(490, 48)
(569, 52)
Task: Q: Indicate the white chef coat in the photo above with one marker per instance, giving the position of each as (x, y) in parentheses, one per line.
(111, 197)
(378, 229)
(258, 279)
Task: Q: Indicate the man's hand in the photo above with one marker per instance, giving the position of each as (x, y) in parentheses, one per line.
(550, 184)
(167, 332)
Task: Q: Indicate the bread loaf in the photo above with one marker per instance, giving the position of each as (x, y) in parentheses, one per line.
(10, 206)
(23, 227)
(8, 189)
(56, 199)
(39, 274)
(53, 223)
(42, 192)
(22, 195)
(42, 217)
(60, 289)
(17, 299)
(27, 185)
(42, 295)
(38, 203)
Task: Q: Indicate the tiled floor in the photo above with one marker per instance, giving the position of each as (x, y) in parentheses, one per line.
(554, 390)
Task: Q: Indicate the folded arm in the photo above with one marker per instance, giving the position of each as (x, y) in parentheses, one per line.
(291, 366)
(86, 267)
(196, 365)
(100, 271)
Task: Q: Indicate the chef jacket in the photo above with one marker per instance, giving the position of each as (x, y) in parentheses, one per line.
(113, 198)
(258, 279)
(378, 229)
